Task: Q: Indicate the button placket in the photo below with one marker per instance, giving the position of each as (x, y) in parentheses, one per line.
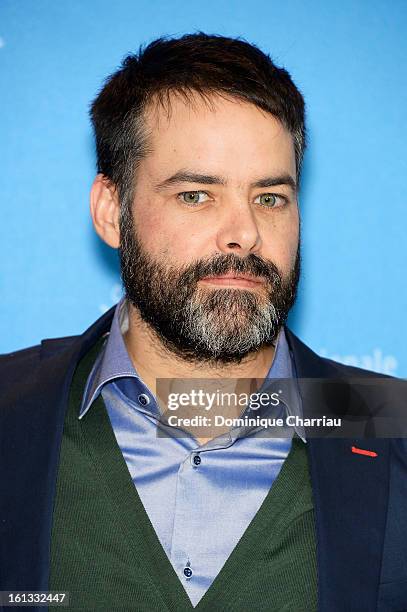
(185, 523)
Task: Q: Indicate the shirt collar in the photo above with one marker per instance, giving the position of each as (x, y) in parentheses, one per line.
(113, 362)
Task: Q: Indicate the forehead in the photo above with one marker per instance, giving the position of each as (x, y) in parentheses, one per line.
(212, 132)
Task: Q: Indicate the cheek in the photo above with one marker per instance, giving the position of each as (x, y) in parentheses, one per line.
(280, 240)
(151, 225)
(184, 245)
(172, 238)
(283, 255)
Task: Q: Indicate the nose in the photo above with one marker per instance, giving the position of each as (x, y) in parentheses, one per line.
(237, 230)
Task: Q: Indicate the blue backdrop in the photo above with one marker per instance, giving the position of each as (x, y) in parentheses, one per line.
(348, 59)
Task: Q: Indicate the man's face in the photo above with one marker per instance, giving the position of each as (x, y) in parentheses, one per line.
(215, 200)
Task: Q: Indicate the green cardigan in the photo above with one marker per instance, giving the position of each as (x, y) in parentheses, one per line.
(106, 554)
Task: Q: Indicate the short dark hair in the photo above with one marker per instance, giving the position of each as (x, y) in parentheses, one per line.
(194, 63)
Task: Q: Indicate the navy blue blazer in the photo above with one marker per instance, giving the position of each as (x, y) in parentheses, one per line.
(360, 501)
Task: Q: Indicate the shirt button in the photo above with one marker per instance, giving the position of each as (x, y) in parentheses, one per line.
(197, 460)
(143, 399)
(187, 572)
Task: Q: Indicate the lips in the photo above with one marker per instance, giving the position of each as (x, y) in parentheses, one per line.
(231, 278)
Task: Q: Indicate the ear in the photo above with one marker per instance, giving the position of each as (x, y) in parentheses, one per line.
(105, 210)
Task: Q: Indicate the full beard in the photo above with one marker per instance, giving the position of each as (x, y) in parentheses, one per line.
(204, 324)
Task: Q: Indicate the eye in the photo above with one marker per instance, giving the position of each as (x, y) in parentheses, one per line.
(193, 197)
(271, 200)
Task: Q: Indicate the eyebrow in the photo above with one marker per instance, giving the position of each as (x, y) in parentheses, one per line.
(184, 176)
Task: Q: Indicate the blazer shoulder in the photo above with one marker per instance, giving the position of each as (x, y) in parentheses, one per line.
(348, 371)
(24, 362)
(311, 364)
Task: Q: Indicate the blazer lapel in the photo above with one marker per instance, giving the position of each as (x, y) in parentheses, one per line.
(351, 496)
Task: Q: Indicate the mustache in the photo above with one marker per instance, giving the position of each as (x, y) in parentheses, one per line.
(222, 264)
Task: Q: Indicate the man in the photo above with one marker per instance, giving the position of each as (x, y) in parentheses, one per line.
(199, 142)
